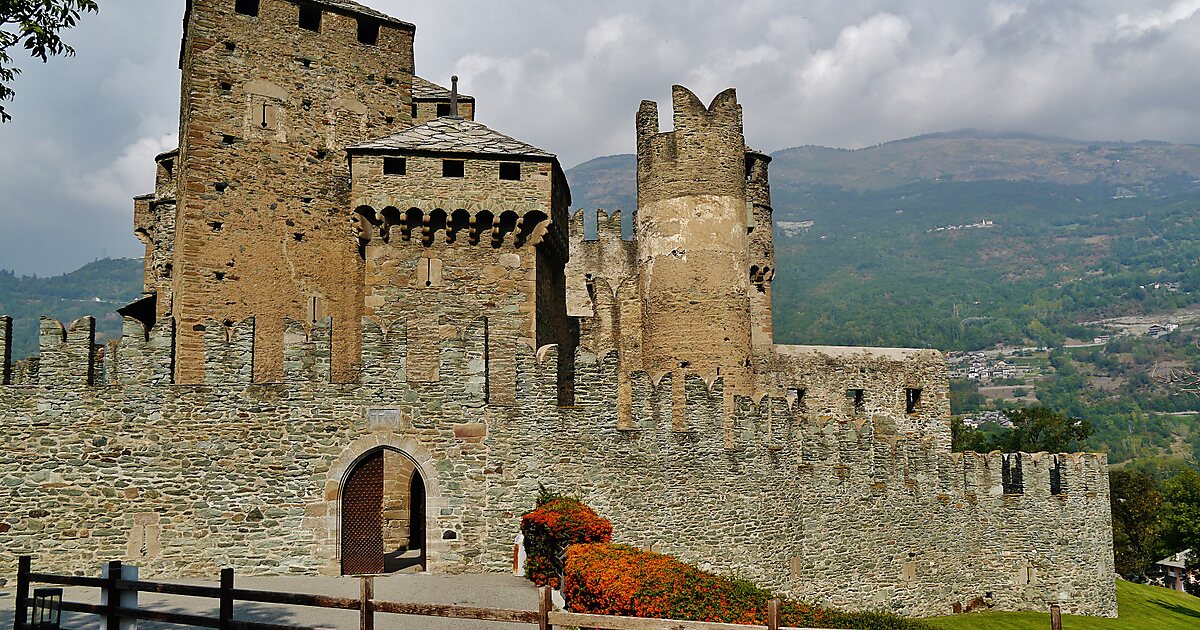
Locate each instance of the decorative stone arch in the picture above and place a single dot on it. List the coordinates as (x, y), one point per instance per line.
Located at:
(328, 529)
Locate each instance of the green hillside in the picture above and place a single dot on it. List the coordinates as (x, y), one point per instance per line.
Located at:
(96, 289)
(1140, 607)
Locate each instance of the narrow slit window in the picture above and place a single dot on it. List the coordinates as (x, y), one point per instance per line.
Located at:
(443, 110)
(1011, 476)
(246, 7)
(510, 171)
(310, 19)
(414, 110)
(395, 166)
(912, 399)
(1056, 478)
(368, 32)
(857, 398)
(453, 168)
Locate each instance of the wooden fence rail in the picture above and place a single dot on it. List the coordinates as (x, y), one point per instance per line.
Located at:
(545, 617)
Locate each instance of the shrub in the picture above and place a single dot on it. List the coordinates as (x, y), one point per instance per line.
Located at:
(619, 580)
(555, 524)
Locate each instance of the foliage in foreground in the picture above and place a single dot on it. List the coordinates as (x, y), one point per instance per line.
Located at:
(37, 25)
(612, 579)
(556, 523)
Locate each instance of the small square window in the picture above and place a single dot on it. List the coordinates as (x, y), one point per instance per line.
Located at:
(453, 168)
(395, 166)
(368, 32)
(310, 19)
(510, 170)
(246, 7)
(858, 398)
(443, 110)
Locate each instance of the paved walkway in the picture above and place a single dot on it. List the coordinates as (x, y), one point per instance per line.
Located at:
(488, 591)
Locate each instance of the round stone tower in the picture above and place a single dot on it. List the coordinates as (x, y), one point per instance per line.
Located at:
(692, 239)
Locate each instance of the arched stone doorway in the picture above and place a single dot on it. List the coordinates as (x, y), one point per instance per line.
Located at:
(383, 514)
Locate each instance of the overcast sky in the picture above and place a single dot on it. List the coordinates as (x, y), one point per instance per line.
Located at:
(567, 76)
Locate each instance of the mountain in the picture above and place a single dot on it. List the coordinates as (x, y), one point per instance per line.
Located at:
(963, 240)
(96, 289)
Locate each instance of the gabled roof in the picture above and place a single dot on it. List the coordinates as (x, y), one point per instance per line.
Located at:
(451, 135)
(358, 9)
(426, 90)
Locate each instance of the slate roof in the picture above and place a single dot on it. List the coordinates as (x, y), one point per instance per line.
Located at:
(452, 135)
(354, 7)
(426, 90)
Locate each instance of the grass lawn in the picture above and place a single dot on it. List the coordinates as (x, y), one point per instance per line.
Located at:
(1140, 607)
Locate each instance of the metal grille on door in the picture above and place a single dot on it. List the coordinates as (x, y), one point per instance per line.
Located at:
(362, 524)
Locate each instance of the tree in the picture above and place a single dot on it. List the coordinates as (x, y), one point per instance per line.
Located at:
(1137, 506)
(1182, 493)
(34, 24)
(1041, 429)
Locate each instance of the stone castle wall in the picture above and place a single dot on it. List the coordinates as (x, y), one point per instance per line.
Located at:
(101, 460)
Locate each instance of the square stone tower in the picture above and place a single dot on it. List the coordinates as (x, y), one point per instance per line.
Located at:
(457, 222)
(272, 93)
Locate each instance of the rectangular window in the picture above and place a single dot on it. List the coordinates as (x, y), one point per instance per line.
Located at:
(912, 399)
(443, 110)
(1011, 476)
(395, 166)
(246, 7)
(510, 171)
(858, 398)
(453, 168)
(368, 32)
(310, 19)
(414, 110)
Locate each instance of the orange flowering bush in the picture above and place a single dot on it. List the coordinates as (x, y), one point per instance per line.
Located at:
(611, 579)
(555, 524)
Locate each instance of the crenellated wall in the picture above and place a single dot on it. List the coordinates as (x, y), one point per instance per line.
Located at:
(863, 509)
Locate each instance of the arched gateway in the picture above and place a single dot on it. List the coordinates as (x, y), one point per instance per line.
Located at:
(383, 514)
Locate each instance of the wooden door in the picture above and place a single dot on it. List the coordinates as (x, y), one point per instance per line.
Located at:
(362, 523)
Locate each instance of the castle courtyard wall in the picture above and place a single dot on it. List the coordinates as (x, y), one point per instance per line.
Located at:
(186, 479)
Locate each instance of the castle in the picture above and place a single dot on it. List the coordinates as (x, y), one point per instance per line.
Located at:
(372, 326)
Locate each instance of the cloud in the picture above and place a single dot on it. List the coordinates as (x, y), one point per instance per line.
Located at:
(127, 176)
(568, 77)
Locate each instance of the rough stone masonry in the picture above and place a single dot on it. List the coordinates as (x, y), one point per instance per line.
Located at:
(341, 263)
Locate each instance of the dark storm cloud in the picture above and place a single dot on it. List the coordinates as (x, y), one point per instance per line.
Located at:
(567, 76)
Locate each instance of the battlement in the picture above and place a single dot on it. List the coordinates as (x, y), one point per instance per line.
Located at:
(705, 153)
(453, 222)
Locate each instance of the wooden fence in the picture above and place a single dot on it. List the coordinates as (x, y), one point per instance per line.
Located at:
(227, 595)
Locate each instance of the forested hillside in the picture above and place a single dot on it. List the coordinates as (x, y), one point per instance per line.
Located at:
(96, 289)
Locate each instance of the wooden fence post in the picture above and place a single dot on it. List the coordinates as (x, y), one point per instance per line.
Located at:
(225, 617)
(545, 605)
(1055, 617)
(113, 616)
(773, 614)
(366, 609)
(22, 610)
